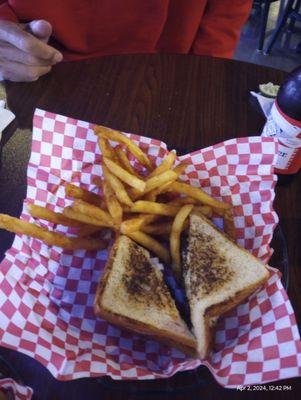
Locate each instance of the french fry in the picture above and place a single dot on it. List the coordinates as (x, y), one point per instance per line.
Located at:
(229, 226)
(93, 211)
(105, 148)
(88, 230)
(198, 194)
(112, 203)
(136, 224)
(204, 210)
(51, 216)
(83, 194)
(124, 175)
(166, 164)
(180, 168)
(151, 244)
(181, 201)
(177, 227)
(159, 180)
(152, 195)
(220, 211)
(126, 193)
(134, 193)
(124, 161)
(22, 227)
(70, 212)
(127, 211)
(90, 212)
(151, 207)
(117, 136)
(162, 228)
(117, 187)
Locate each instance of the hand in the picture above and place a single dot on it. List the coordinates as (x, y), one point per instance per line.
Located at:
(24, 52)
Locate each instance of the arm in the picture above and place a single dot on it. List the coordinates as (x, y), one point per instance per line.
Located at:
(220, 27)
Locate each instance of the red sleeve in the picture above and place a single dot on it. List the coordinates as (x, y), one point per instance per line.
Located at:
(220, 27)
(7, 13)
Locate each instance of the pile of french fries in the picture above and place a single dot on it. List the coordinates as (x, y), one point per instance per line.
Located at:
(151, 207)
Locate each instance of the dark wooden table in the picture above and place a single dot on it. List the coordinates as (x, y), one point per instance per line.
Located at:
(186, 101)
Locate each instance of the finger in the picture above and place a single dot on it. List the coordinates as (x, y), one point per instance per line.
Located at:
(11, 53)
(15, 35)
(17, 72)
(41, 29)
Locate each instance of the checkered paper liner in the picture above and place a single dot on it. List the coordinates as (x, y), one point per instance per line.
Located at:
(47, 294)
(19, 391)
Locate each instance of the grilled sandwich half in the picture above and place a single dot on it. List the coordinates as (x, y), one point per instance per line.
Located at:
(132, 294)
(217, 274)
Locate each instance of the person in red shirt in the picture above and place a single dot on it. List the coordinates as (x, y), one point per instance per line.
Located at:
(35, 34)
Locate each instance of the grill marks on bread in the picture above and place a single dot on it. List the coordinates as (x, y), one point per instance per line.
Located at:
(208, 270)
(143, 281)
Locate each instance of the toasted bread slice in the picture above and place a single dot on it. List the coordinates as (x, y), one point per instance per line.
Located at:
(132, 294)
(218, 275)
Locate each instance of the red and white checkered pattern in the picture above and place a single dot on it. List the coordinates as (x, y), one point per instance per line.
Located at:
(20, 392)
(46, 294)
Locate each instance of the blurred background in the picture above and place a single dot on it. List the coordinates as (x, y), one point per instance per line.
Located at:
(272, 34)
